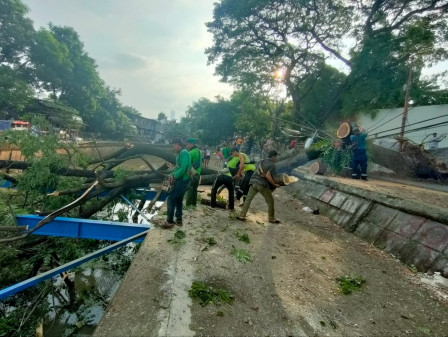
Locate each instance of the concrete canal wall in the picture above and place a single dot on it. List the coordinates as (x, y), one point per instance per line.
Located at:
(414, 232)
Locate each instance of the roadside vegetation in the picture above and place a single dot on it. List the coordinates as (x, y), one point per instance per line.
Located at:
(208, 294)
(349, 284)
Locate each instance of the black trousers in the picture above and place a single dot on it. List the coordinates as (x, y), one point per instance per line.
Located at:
(244, 186)
(174, 200)
(227, 181)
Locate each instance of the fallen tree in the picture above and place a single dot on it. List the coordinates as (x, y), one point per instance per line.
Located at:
(413, 162)
(56, 183)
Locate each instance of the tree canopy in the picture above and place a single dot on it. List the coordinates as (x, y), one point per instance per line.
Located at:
(209, 121)
(256, 41)
(53, 62)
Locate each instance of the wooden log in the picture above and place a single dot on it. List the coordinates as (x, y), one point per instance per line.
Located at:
(344, 130)
(286, 164)
(318, 167)
(158, 150)
(207, 179)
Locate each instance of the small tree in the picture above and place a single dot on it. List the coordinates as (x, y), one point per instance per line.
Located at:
(162, 116)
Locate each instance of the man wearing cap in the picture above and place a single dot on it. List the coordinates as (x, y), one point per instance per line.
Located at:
(195, 172)
(262, 182)
(181, 178)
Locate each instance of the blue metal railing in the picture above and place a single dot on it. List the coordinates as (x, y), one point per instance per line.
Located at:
(56, 271)
(85, 229)
(82, 228)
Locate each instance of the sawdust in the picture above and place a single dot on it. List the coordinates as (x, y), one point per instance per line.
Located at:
(289, 288)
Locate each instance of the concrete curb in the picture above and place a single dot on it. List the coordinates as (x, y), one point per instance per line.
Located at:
(408, 206)
(414, 232)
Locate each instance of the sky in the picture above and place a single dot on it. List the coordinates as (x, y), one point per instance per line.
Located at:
(153, 50)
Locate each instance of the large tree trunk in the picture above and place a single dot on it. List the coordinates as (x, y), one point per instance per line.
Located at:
(413, 162)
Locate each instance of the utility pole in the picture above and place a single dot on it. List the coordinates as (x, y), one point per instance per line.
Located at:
(406, 105)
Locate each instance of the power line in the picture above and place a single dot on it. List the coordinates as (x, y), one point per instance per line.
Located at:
(400, 114)
(305, 127)
(426, 120)
(370, 129)
(413, 130)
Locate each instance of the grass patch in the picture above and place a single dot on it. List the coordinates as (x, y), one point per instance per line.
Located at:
(413, 269)
(424, 330)
(211, 241)
(242, 236)
(241, 255)
(349, 284)
(178, 238)
(233, 216)
(207, 294)
(220, 199)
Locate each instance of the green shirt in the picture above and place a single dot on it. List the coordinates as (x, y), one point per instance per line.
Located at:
(183, 166)
(226, 152)
(196, 159)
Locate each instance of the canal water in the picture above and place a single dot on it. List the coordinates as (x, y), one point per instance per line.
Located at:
(96, 281)
(95, 284)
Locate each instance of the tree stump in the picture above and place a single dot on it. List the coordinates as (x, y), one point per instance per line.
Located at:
(318, 167)
(344, 130)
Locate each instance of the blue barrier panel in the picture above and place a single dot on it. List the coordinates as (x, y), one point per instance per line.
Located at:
(83, 228)
(6, 292)
(5, 183)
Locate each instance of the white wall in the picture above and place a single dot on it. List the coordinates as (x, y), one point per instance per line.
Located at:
(392, 118)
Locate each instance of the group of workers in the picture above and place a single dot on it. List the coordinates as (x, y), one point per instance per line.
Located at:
(242, 176)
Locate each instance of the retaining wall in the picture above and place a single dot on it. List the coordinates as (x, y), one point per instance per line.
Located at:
(417, 234)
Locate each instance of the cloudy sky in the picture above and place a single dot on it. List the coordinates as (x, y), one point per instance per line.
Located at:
(153, 50)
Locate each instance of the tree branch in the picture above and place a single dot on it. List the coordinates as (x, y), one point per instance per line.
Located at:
(430, 8)
(53, 215)
(329, 49)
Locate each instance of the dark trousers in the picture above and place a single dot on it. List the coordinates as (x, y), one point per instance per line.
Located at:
(192, 192)
(359, 163)
(244, 186)
(227, 181)
(174, 200)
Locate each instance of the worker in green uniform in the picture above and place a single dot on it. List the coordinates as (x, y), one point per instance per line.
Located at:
(226, 152)
(243, 174)
(195, 172)
(181, 178)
